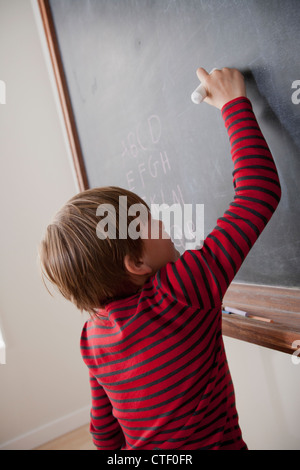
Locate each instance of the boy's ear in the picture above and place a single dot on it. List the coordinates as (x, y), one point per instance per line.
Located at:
(139, 267)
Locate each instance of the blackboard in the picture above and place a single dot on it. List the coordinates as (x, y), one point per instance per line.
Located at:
(130, 70)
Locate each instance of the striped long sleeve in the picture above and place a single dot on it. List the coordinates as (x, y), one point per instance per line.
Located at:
(257, 194)
(159, 374)
(105, 429)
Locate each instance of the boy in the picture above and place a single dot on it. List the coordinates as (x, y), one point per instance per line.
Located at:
(158, 371)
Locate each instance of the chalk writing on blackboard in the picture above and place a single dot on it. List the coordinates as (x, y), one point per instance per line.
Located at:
(145, 159)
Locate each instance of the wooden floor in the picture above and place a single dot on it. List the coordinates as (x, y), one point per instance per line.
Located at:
(79, 439)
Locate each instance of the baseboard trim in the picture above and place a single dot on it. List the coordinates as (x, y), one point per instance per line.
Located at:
(49, 431)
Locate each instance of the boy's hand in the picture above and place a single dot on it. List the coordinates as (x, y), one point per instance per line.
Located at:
(222, 85)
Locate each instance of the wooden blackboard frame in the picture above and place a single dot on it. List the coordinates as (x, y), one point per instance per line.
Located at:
(63, 93)
(280, 305)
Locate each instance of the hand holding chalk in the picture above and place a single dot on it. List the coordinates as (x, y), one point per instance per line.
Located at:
(200, 93)
(220, 87)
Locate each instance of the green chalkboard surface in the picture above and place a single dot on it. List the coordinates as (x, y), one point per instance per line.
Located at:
(130, 69)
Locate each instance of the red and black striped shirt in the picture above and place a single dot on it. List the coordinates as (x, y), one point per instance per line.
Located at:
(158, 370)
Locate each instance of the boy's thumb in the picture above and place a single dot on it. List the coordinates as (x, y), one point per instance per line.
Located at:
(202, 74)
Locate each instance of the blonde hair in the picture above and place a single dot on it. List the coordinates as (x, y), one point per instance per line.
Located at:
(87, 270)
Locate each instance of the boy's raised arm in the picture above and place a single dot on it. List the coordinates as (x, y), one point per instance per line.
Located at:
(201, 277)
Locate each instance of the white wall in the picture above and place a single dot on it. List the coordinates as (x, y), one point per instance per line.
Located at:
(44, 379)
(267, 386)
(44, 386)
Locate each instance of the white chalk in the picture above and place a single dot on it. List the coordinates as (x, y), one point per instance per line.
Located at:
(200, 93)
(236, 311)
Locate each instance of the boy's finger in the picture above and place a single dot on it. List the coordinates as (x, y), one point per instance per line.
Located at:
(202, 74)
